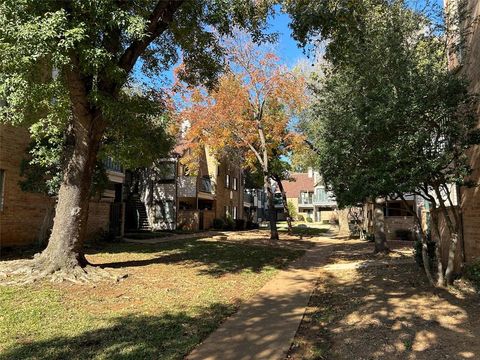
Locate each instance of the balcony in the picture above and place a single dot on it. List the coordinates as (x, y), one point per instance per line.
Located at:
(187, 186)
(114, 170)
(323, 198)
(206, 185)
(111, 165)
(305, 201)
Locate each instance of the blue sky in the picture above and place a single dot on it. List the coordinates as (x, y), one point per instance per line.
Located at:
(286, 47)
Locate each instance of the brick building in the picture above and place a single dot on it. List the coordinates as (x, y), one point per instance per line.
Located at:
(309, 196)
(470, 198)
(22, 213)
(466, 61)
(167, 197)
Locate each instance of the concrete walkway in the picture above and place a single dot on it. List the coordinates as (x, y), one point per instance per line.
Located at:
(265, 326)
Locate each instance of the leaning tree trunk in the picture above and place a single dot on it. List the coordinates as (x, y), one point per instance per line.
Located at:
(285, 205)
(271, 209)
(379, 228)
(453, 229)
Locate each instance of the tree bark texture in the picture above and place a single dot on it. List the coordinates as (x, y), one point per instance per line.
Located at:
(271, 208)
(64, 248)
(453, 228)
(285, 205)
(379, 228)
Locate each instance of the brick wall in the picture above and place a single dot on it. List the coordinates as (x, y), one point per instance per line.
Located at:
(23, 212)
(228, 196)
(470, 198)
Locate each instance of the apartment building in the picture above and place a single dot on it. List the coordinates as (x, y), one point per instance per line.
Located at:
(465, 60)
(22, 214)
(169, 196)
(309, 196)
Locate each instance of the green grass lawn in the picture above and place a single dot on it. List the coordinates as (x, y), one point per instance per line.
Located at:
(175, 294)
(304, 228)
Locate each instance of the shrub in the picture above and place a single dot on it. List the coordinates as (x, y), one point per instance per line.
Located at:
(403, 234)
(430, 251)
(472, 273)
(301, 218)
(326, 222)
(370, 237)
(309, 219)
(239, 224)
(218, 224)
(252, 225)
(292, 209)
(229, 223)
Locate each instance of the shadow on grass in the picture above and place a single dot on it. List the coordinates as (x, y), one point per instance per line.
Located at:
(169, 336)
(305, 230)
(219, 257)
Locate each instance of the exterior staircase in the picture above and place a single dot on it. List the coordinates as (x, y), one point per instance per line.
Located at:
(137, 214)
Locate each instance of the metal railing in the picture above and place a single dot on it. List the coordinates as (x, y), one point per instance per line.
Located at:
(112, 165)
(305, 200)
(323, 198)
(206, 185)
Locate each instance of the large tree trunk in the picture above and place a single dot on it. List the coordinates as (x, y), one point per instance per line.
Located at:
(64, 250)
(379, 229)
(285, 205)
(271, 209)
(47, 223)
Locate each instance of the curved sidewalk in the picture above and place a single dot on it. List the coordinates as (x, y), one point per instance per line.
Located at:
(264, 327)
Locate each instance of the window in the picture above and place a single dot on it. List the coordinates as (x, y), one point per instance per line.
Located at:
(227, 210)
(235, 212)
(235, 183)
(2, 187)
(227, 181)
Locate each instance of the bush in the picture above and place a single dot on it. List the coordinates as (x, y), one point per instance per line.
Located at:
(218, 224)
(239, 224)
(309, 219)
(326, 222)
(472, 273)
(430, 251)
(370, 237)
(403, 234)
(252, 225)
(292, 209)
(229, 223)
(301, 218)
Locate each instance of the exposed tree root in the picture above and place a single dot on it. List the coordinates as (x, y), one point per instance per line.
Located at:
(23, 272)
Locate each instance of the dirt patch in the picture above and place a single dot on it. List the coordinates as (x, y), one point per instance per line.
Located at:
(386, 312)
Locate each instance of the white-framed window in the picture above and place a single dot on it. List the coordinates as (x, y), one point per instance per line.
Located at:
(235, 183)
(235, 212)
(227, 181)
(2, 188)
(227, 210)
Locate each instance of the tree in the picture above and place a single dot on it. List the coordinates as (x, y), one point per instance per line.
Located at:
(248, 112)
(390, 119)
(69, 65)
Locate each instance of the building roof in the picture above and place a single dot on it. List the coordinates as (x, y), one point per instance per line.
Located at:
(302, 183)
